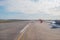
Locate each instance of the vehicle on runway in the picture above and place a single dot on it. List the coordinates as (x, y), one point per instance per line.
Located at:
(56, 24)
(41, 21)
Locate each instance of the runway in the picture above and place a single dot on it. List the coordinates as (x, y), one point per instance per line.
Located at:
(41, 31)
(10, 31)
(28, 30)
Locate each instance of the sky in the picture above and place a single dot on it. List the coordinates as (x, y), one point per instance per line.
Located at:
(29, 9)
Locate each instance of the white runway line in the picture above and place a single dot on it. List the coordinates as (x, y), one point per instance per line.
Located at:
(22, 31)
(25, 28)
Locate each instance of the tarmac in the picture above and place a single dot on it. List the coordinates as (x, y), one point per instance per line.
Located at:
(40, 31)
(10, 31)
(25, 30)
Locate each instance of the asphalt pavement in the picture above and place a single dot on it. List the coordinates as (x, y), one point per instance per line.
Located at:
(10, 31)
(40, 31)
(33, 31)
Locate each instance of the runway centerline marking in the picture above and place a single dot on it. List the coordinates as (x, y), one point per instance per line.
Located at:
(22, 31)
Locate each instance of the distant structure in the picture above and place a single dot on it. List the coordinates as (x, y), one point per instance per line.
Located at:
(57, 22)
(41, 21)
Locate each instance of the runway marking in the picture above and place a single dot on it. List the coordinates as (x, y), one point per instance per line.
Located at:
(22, 31)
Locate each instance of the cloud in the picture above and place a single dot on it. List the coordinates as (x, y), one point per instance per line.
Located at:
(55, 11)
(31, 6)
(25, 16)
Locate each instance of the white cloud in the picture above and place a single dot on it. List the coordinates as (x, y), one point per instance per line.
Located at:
(30, 7)
(54, 11)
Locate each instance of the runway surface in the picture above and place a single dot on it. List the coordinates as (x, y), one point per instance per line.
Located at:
(41, 31)
(25, 30)
(10, 31)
